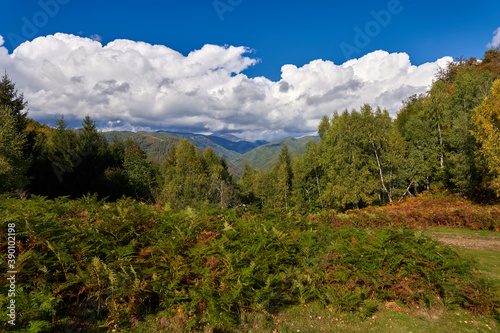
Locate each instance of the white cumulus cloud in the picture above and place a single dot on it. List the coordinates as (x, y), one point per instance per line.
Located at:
(496, 39)
(135, 85)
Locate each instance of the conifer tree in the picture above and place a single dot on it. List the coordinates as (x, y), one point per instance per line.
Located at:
(64, 157)
(94, 157)
(13, 165)
(140, 171)
(9, 97)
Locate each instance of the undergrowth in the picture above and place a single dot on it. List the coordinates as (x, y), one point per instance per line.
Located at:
(91, 265)
(429, 209)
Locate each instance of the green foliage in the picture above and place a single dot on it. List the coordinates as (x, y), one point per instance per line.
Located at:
(422, 146)
(486, 120)
(189, 177)
(308, 179)
(245, 184)
(13, 165)
(358, 163)
(141, 173)
(10, 98)
(159, 145)
(88, 264)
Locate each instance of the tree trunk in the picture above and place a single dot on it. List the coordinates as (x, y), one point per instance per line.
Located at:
(441, 146)
(380, 170)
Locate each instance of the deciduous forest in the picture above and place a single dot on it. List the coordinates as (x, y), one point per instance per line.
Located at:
(107, 239)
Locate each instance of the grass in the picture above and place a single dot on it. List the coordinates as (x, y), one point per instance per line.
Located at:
(450, 231)
(488, 261)
(314, 317)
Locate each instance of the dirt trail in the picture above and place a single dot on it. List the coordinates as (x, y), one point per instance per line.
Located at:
(470, 242)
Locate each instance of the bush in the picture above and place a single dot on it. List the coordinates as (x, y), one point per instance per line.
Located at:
(92, 265)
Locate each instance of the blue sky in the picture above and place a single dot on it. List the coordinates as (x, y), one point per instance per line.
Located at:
(276, 33)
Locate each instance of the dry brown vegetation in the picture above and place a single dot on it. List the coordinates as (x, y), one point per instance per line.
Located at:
(430, 209)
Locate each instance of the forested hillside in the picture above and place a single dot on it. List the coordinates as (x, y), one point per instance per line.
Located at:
(266, 156)
(444, 138)
(259, 154)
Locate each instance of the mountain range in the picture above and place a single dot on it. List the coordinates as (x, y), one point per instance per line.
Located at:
(259, 154)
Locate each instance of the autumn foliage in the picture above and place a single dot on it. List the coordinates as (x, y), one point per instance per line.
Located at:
(430, 209)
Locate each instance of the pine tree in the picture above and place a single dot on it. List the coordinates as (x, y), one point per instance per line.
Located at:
(64, 157)
(94, 157)
(13, 165)
(140, 171)
(10, 98)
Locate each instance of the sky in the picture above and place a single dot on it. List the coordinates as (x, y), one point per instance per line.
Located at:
(255, 69)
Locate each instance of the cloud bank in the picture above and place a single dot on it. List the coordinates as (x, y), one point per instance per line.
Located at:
(128, 85)
(496, 39)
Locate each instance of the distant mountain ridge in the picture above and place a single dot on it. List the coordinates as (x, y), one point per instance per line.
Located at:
(259, 154)
(266, 156)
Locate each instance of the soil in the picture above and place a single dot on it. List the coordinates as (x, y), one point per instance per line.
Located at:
(476, 243)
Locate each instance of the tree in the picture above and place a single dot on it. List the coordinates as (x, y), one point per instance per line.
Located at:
(246, 184)
(140, 171)
(264, 187)
(185, 179)
(308, 179)
(462, 173)
(486, 120)
(94, 157)
(13, 165)
(438, 103)
(421, 147)
(220, 186)
(10, 98)
(491, 61)
(323, 127)
(349, 164)
(64, 157)
(378, 128)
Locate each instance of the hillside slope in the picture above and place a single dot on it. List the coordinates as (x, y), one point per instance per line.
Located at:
(259, 154)
(266, 156)
(158, 144)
